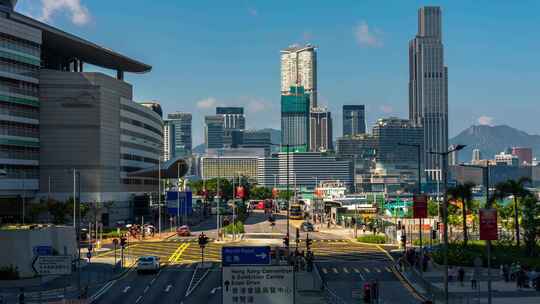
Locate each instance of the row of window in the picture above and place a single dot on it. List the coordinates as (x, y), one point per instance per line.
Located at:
(18, 87)
(18, 171)
(17, 44)
(18, 129)
(133, 181)
(15, 152)
(19, 110)
(139, 135)
(139, 158)
(140, 147)
(9, 66)
(141, 125)
(141, 113)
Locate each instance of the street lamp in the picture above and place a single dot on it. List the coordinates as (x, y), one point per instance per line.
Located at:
(485, 172)
(288, 196)
(444, 156)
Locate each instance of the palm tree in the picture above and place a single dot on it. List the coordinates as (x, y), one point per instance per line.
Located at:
(517, 190)
(464, 193)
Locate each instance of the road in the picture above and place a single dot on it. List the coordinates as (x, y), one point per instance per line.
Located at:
(343, 264)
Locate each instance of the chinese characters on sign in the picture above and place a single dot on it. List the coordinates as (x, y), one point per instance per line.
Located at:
(488, 224)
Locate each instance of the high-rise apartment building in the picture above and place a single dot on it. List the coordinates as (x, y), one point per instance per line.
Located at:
(354, 120)
(321, 138)
(299, 68)
(177, 135)
(428, 84)
(214, 131)
(295, 119)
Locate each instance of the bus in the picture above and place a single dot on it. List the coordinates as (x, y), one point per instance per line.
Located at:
(296, 212)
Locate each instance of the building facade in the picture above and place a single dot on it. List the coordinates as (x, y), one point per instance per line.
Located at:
(525, 155)
(234, 123)
(268, 171)
(354, 120)
(257, 139)
(320, 137)
(213, 131)
(428, 84)
(178, 140)
(299, 68)
(229, 167)
(295, 119)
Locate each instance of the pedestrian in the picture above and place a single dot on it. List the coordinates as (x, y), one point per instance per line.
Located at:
(21, 296)
(474, 278)
(513, 271)
(461, 275)
(506, 274)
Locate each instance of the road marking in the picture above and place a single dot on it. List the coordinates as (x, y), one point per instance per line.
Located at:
(153, 280)
(168, 288)
(335, 270)
(388, 269)
(362, 277)
(146, 289)
(377, 270)
(213, 291)
(178, 252)
(345, 270)
(324, 270)
(138, 299)
(126, 289)
(366, 270)
(356, 270)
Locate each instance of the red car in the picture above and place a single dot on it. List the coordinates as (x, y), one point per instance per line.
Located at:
(260, 205)
(183, 231)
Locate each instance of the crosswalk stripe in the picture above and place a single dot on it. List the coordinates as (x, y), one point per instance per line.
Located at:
(324, 270)
(366, 270)
(377, 270)
(335, 270)
(345, 270)
(388, 269)
(356, 270)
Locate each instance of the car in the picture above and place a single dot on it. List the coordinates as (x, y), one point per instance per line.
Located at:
(148, 264)
(183, 231)
(307, 227)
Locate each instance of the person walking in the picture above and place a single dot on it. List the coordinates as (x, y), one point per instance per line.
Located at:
(461, 275)
(474, 278)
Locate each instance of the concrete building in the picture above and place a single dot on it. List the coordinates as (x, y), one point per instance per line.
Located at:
(354, 120)
(295, 119)
(320, 137)
(177, 135)
(453, 158)
(525, 155)
(428, 84)
(55, 117)
(299, 68)
(268, 171)
(257, 139)
(213, 131)
(154, 106)
(234, 123)
(505, 159)
(229, 167)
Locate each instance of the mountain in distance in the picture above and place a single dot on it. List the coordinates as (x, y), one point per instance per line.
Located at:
(492, 140)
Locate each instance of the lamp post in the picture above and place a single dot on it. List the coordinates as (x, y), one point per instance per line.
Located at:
(485, 172)
(177, 193)
(288, 147)
(159, 195)
(444, 156)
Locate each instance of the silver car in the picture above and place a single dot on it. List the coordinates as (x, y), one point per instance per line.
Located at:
(148, 264)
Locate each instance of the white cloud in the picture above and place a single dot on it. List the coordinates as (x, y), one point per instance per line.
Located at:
(207, 103)
(485, 120)
(386, 109)
(367, 37)
(253, 12)
(257, 105)
(77, 12)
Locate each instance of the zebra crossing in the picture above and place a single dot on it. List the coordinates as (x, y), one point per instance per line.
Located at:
(354, 270)
(344, 250)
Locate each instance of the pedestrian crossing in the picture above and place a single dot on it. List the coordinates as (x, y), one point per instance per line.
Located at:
(345, 251)
(352, 270)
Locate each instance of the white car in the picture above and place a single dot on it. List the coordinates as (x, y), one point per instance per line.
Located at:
(148, 264)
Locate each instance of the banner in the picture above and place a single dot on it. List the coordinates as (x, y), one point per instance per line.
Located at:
(420, 206)
(488, 224)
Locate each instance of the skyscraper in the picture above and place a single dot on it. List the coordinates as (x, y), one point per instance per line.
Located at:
(320, 130)
(295, 119)
(428, 84)
(177, 135)
(213, 131)
(234, 123)
(299, 68)
(354, 120)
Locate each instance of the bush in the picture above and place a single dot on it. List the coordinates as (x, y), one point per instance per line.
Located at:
(9, 273)
(373, 239)
(425, 243)
(237, 227)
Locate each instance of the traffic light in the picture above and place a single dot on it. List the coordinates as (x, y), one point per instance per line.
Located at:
(203, 240)
(286, 241)
(123, 242)
(308, 242)
(404, 240)
(297, 234)
(433, 234)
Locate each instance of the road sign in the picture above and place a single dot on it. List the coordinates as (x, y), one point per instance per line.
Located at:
(420, 206)
(257, 284)
(488, 224)
(253, 255)
(42, 250)
(52, 265)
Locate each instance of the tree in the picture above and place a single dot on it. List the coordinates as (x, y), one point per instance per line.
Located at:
(433, 208)
(260, 193)
(463, 193)
(531, 223)
(518, 191)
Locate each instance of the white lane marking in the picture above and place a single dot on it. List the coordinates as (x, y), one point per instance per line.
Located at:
(138, 299)
(324, 270)
(362, 277)
(146, 289)
(213, 291)
(366, 270)
(345, 270)
(335, 270)
(103, 290)
(126, 289)
(153, 280)
(356, 270)
(168, 288)
(377, 270)
(388, 269)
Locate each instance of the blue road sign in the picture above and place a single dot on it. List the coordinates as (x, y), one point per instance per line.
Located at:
(42, 250)
(245, 255)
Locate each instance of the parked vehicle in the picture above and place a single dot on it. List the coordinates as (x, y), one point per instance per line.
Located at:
(148, 264)
(307, 227)
(183, 231)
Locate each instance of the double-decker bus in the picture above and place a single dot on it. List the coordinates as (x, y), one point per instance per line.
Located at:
(296, 212)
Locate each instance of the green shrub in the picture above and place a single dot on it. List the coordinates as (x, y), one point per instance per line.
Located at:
(237, 227)
(9, 273)
(373, 239)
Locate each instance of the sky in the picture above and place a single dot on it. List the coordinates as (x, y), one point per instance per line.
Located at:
(226, 53)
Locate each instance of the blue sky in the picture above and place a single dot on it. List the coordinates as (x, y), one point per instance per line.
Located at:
(208, 53)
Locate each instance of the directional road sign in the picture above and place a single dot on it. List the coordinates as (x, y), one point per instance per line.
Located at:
(52, 264)
(252, 255)
(42, 250)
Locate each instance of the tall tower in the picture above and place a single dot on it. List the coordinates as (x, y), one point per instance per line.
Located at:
(214, 131)
(299, 68)
(177, 135)
(295, 119)
(234, 124)
(320, 130)
(428, 84)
